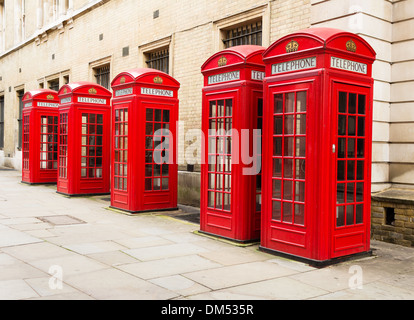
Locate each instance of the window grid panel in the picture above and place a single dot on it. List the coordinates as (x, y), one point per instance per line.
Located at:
(63, 145)
(26, 142)
(259, 175)
(219, 155)
(289, 158)
(350, 159)
(121, 150)
(157, 128)
(48, 142)
(92, 145)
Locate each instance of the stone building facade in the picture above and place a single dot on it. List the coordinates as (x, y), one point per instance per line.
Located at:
(47, 43)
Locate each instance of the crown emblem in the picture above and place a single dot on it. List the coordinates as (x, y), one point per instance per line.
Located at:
(92, 91)
(122, 80)
(65, 90)
(50, 97)
(158, 79)
(222, 61)
(292, 46)
(351, 46)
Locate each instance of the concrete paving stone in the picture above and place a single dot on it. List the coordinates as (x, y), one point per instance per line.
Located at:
(166, 251)
(16, 290)
(46, 286)
(143, 242)
(94, 247)
(236, 275)
(284, 288)
(234, 255)
(70, 264)
(329, 279)
(180, 284)
(10, 237)
(14, 221)
(76, 296)
(291, 264)
(115, 284)
(40, 234)
(36, 251)
(377, 290)
(168, 266)
(112, 258)
(223, 296)
(19, 270)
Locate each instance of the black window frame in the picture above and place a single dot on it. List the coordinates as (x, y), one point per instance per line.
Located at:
(103, 75)
(159, 59)
(248, 33)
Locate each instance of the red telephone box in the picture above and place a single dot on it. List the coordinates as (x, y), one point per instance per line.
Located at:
(144, 117)
(317, 145)
(40, 137)
(230, 204)
(84, 139)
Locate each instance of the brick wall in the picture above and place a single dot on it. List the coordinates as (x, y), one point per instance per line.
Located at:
(393, 222)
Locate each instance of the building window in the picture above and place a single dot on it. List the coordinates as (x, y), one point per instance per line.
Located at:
(246, 34)
(159, 60)
(102, 76)
(2, 122)
(20, 95)
(54, 84)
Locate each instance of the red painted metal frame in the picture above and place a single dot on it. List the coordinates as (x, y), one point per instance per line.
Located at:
(35, 171)
(241, 221)
(149, 98)
(84, 120)
(319, 239)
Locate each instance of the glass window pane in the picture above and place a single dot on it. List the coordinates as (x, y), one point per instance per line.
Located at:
(350, 215)
(290, 102)
(361, 104)
(300, 124)
(288, 146)
(299, 214)
(352, 103)
(276, 210)
(342, 102)
(301, 101)
(278, 103)
(287, 190)
(287, 211)
(277, 189)
(340, 216)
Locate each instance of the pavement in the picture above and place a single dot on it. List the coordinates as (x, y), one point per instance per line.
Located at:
(59, 248)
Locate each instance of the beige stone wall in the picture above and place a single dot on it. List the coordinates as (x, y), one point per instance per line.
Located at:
(191, 29)
(372, 20)
(402, 96)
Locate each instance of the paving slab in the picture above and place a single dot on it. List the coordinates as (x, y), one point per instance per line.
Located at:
(235, 275)
(110, 255)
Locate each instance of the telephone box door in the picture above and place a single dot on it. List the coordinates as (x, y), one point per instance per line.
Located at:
(160, 168)
(220, 207)
(352, 151)
(289, 142)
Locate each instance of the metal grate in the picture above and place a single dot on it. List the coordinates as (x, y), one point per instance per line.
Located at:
(248, 34)
(54, 85)
(159, 60)
(102, 76)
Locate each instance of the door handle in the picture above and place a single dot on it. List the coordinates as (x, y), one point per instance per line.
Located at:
(334, 148)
